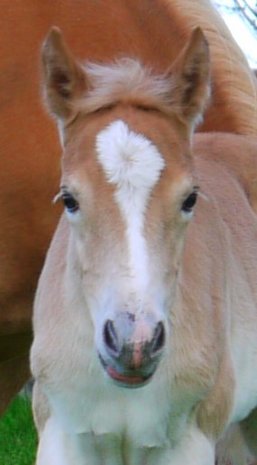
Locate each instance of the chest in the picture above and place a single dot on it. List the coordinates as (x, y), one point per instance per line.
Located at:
(93, 404)
(86, 401)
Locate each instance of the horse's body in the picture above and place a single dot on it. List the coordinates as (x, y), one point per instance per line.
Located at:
(29, 151)
(155, 31)
(136, 291)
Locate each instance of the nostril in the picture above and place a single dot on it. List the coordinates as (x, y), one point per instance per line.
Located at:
(158, 338)
(111, 338)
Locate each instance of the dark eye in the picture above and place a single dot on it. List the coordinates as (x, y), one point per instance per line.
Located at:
(70, 203)
(189, 203)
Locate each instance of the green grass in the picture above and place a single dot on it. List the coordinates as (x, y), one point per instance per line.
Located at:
(17, 434)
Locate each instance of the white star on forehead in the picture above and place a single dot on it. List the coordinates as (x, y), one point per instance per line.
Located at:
(132, 163)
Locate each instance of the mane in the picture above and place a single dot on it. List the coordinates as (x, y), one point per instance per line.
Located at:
(233, 82)
(230, 70)
(125, 80)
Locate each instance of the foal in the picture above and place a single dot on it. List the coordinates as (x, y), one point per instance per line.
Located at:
(145, 316)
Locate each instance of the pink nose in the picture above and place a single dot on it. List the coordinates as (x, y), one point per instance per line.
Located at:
(132, 343)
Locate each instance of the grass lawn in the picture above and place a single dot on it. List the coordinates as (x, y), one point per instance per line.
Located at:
(17, 434)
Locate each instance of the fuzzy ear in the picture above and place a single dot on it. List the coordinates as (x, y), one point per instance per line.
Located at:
(63, 78)
(190, 74)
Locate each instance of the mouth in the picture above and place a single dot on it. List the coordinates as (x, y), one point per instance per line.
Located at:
(127, 380)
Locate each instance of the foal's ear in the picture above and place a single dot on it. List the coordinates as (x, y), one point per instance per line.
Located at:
(191, 77)
(63, 78)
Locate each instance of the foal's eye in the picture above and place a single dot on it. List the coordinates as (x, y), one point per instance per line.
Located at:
(70, 203)
(189, 203)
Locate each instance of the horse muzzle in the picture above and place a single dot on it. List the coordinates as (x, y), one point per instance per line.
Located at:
(132, 349)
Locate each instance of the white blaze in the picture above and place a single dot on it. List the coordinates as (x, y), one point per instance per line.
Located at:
(132, 163)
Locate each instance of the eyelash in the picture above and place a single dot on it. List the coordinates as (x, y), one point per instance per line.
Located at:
(189, 203)
(70, 203)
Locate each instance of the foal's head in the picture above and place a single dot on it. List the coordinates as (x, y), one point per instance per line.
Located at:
(129, 192)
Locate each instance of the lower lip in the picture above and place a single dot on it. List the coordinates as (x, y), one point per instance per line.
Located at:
(125, 381)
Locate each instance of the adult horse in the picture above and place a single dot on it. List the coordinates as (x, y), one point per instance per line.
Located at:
(142, 288)
(152, 30)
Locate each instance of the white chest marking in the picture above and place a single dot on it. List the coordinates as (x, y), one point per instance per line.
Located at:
(132, 163)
